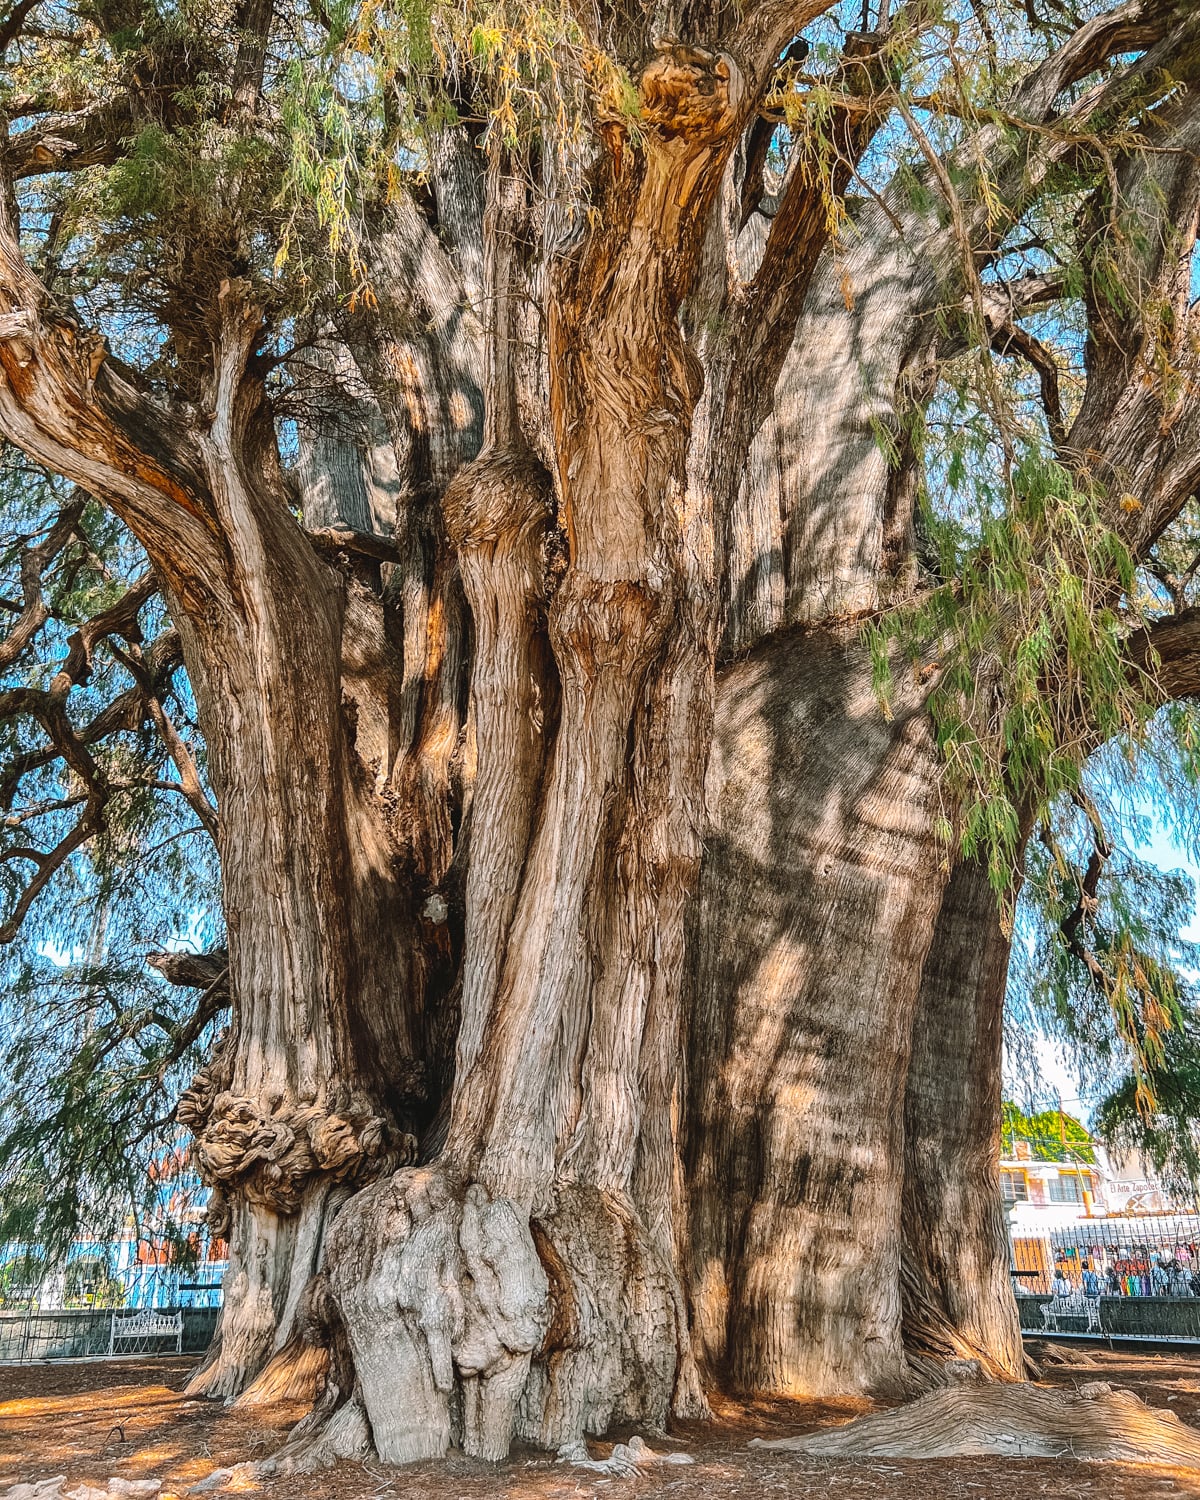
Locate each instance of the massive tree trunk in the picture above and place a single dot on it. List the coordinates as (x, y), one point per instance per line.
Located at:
(822, 872)
(559, 1171)
(320, 1082)
(339, 804)
(724, 456)
(320, 1079)
(822, 876)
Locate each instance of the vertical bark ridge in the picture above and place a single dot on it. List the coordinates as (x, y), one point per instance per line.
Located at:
(594, 1300)
(818, 895)
(759, 275)
(958, 1301)
(498, 511)
(421, 352)
(324, 1080)
(622, 388)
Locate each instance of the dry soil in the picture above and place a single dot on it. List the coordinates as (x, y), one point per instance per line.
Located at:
(129, 1418)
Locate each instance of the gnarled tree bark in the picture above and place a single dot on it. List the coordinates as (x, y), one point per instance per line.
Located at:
(487, 784)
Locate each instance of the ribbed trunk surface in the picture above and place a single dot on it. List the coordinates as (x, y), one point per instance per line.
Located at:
(320, 1080)
(958, 1301)
(526, 1283)
(819, 891)
(483, 791)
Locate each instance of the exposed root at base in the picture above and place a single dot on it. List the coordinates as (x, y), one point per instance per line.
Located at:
(1013, 1421)
(114, 1489)
(223, 1375)
(469, 1324)
(323, 1439)
(443, 1300)
(926, 1374)
(625, 1460)
(1046, 1353)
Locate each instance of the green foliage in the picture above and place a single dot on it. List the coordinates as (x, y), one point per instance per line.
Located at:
(166, 173)
(1165, 1134)
(140, 242)
(79, 1137)
(1035, 589)
(518, 66)
(96, 1047)
(367, 108)
(1099, 961)
(169, 222)
(20, 1278)
(1051, 1134)
(1027, 644)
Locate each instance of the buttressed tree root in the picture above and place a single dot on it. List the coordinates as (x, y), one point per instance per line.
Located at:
(1014, 1421)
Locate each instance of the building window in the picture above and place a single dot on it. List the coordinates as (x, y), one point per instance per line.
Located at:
(1066, 1189)
(1013, 1187)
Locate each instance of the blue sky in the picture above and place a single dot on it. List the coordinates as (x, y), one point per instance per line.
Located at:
(1162, 850)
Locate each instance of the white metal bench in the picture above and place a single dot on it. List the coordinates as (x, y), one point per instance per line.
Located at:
(145, 1326)
(1076, 1305)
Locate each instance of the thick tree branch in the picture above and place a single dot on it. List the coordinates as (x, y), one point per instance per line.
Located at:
(120, 619)
(12, 22)
(74, 412)
(1137, 434)
(126, 712)
(48, 864)
(254, 19)
(72, 140)
(330, 540)
(34, 611)
(1022, 142)
(1010, 338)
(1133, 27)
(1005, 300)
(190, 785)
(196, 971)
(1169, 652)
(206, 972)
(799, 229)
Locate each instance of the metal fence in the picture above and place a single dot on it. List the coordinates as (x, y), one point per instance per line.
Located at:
(1144, 1271)
(1152, 1255)
(38, 1335)
(68, 1313)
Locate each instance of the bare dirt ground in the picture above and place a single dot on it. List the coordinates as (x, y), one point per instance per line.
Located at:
(128, 1418)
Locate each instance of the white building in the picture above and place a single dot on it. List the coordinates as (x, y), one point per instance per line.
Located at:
(1110, 1216)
